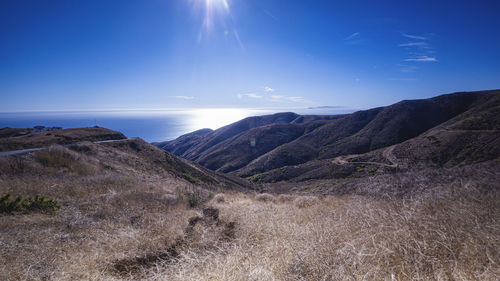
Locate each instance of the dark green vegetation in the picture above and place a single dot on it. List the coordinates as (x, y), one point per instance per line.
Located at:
(20, 204)
(446, 131)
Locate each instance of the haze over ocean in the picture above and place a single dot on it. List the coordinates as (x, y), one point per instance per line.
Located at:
(152, 126)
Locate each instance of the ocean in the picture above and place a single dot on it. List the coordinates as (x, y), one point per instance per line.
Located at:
(150, 125)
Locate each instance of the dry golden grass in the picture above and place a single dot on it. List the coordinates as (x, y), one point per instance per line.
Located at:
(285, 198)
(119, 210)
(219, 198)
(449, 234)
(305, 201)
(265, 197)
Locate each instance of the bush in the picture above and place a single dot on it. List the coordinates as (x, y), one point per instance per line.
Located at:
(305, 201)
(191, 178)
(265, 197)
(39, 203)
(219, 198)
(193, 197)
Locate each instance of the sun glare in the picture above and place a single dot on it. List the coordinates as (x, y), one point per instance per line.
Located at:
(215, 118)
(212, 10)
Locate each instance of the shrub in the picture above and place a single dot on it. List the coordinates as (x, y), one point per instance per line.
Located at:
(191, 178)
(39, 203)
(265, 197)
(193, 197)
(219, 198)
(305, 201)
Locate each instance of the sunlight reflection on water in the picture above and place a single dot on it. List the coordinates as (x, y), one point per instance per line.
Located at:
(215, 118)
(150, 125)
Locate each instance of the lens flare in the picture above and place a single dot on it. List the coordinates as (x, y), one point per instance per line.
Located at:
(212, 10)
(217, 17)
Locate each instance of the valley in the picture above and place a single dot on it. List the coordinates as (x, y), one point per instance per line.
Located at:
(278, 197)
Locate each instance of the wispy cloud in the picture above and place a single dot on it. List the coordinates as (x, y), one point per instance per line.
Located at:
(422, 59)
(269, 94)
(183, 97)
(269, 89)
(352, 36)
(296, 99)
(414, 44)
(282, 98)
(419, 49)
(354, 39)
(416, 37)
(250, 95)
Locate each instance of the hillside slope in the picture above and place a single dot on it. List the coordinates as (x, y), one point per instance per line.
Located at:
(468, 139)
(195, 144)
(14, 139)
(295, 140)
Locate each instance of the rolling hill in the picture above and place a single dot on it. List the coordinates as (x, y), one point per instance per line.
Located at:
(447, 130)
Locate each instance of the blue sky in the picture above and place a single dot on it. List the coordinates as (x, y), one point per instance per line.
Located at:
(117, 54)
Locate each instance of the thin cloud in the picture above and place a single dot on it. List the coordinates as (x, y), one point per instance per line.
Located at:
(296, 99)
(416, 37)
(269, 90)
(414, 44)
(277, 97)
(249, 95)
(354, 39)
(183, 97)
(352, 36)
(422, 59)
(253, 96)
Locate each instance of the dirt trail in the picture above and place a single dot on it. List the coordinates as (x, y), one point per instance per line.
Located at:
(387, 153)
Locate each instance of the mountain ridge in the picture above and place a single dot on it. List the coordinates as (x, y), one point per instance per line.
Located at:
(287, 139)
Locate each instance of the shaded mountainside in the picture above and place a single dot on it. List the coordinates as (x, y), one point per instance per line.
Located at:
(447, 130)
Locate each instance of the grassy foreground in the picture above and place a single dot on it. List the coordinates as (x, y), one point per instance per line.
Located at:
(452, 236)
(124, 218)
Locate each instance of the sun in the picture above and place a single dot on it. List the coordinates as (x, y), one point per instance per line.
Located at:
(220, 3)
(212, 10)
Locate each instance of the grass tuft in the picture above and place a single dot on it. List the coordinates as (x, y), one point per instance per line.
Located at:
(305, 201)
(219, 198)
(265, 197)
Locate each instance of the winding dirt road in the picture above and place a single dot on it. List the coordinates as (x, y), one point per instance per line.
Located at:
(387, 153)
